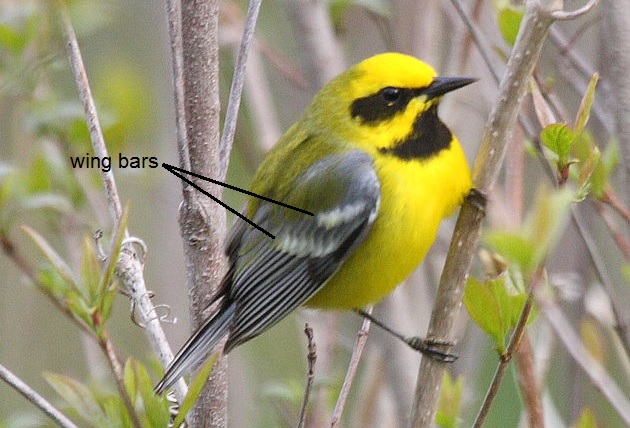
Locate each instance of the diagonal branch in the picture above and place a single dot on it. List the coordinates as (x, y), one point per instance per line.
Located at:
(33, 397)
(492, 150)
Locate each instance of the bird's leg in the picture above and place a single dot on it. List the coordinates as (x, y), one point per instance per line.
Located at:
(428, 347)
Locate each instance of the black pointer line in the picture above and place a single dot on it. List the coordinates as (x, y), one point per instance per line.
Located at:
(172, 169)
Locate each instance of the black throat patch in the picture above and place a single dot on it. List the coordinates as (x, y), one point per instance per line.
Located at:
(428, 137)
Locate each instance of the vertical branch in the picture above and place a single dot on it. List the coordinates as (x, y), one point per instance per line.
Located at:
(317, 37)
(236, 89)
(492, 150)
(616, 15)
(202, 222)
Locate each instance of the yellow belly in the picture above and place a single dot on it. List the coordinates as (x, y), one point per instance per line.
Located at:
(415, 197)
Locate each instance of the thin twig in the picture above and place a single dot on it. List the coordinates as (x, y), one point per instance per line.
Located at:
(91, 116)
(621, 324)
(114, 364)
(477, 38)
(610, 198)
(357, 352)
(33, 397)
(310, 376)
(234, 100)
(529, 383)
(561, 15)
(616, 233)
(316, 35)
(133, 278)
(582, 356)
(174, 20)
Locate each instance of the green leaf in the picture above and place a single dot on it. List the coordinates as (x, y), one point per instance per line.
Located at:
(194, 389)
(90, 273)
(600, 179)
(586, 419)
(115, 411)
(483, 307)
(559, 139)
(514, 246)
(154, 410)
(585, 105)
(11, 40)
(129, 379)
(588, 166)
(79, 397)
(625, 271)
(450, 401)
(509, 20)
(114, 253)
(156, 407)
(545, 223)
(80, 309)
(496, 305)
(50, 173)
(53, 257)
(527, 247)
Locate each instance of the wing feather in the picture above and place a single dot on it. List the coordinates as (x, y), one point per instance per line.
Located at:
(271, 277)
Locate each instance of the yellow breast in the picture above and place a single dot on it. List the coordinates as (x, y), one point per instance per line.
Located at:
(415, 196)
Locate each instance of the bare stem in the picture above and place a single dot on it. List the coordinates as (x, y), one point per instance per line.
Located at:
(582, 356)
(528, 382)
(357, 352)
(310, 376)
(117, 370)
(610, 198)
(238, 79)
(615, 231)
(33, 397)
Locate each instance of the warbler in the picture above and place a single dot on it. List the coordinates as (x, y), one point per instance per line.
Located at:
(377, 168)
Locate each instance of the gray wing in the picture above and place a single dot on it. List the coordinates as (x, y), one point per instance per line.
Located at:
(269, 278)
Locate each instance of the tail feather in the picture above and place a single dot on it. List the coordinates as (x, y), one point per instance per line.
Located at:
(197, 348)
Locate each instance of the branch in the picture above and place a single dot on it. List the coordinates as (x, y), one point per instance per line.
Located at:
(561, 15)
(317, 37)
(357, 352)
(114, 364)
(616, 34)
(310, 376)
(194, 46)
(494, 141)
(582, 356)
(238, 80)
(32, 396)
(133, 278)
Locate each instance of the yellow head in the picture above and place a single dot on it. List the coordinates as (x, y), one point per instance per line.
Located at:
(375, 103)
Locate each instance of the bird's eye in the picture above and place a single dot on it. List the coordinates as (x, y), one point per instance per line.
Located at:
(390, 94)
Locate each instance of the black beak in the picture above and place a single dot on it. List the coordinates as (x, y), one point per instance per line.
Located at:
(442, 85)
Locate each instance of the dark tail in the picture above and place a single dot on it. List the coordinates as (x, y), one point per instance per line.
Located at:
(197, 348)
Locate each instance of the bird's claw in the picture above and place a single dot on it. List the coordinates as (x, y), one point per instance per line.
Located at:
(432, 348)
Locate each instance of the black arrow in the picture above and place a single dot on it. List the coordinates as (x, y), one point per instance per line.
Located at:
(176, 171)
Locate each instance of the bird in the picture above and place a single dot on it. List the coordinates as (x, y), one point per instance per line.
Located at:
(376, 169)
